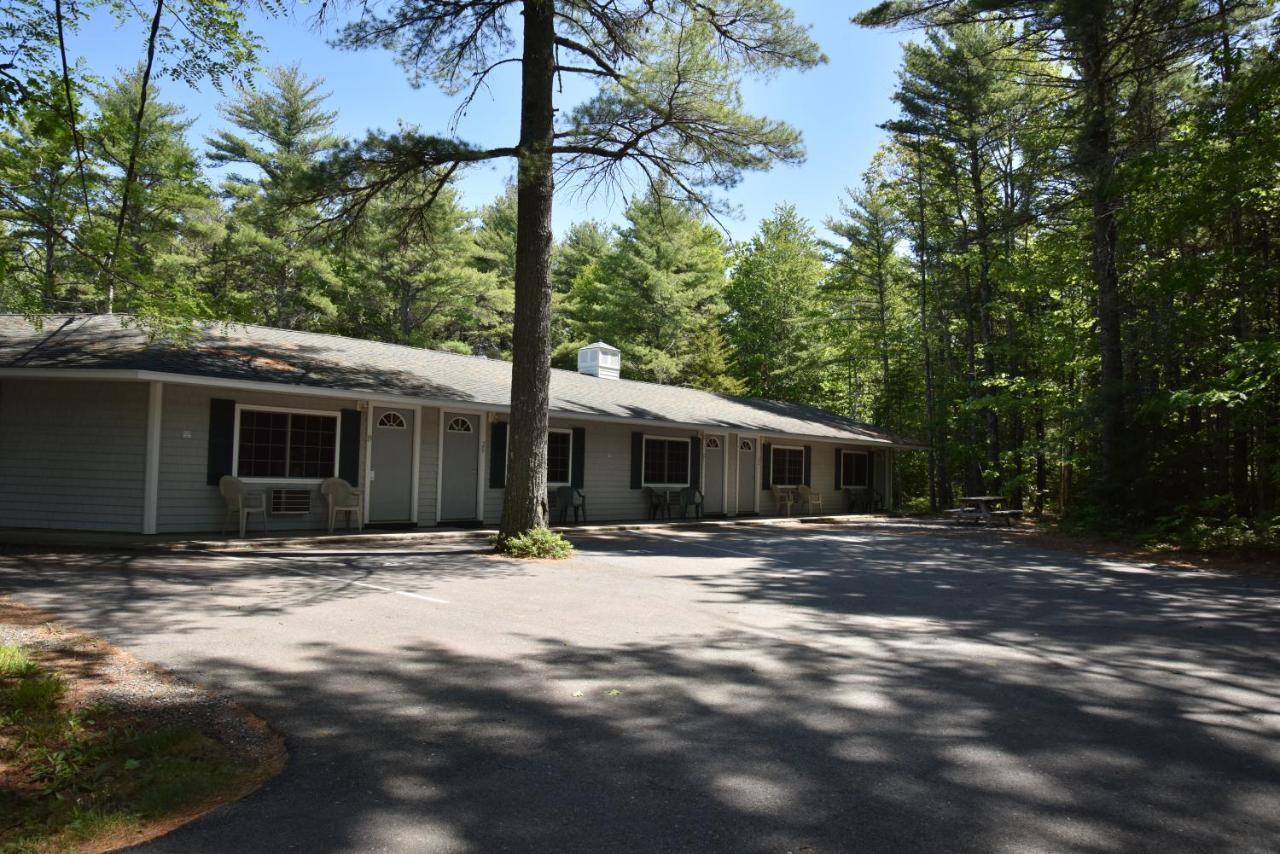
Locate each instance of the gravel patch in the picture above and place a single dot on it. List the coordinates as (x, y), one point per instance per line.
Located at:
(98, 674)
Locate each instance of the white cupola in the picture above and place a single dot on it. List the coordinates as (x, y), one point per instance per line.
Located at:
(600, 360)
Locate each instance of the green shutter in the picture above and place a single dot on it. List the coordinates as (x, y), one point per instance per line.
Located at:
(349, 446)
(637, 460)
(577, 464)
(498, 455)
(222, 432)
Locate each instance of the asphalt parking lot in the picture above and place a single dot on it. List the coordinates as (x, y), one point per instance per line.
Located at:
(802, 689)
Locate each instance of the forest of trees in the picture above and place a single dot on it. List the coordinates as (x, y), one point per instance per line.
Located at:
(1059, 270)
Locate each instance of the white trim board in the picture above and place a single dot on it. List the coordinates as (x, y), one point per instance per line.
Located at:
(336, 415)
(151, 466)
(688, 459)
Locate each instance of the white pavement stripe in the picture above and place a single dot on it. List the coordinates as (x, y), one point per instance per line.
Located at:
(340, 580)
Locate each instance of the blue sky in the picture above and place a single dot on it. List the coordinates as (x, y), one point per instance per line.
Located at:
(837, 107)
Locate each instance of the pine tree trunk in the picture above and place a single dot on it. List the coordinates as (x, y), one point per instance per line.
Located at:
(525, 503)
(990, 416)
(1096, 160)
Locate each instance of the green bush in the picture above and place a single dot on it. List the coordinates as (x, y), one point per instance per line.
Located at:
(536, 543)
(1192, 530)
(33, 694)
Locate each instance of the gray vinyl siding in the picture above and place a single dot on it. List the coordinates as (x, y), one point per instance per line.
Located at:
(428, 465)
(72, 454)
(822, 475)
(607, 478)
(187, 502)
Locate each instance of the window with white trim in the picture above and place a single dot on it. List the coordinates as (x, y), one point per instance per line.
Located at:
(559, 456)
(713, 443)
(392, 421)
(286, 445)
(460, 425)
(855, 468)
(745, 446)
(666, 462)
(787, 466)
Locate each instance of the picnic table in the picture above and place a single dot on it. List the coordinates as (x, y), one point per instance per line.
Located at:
(980, 509)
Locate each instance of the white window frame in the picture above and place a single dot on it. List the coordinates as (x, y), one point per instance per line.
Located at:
(550, 482)
(506, 470)
(773, 449)
(252, 407)
(840, 473)
(688, 461)
(403, 425)
(464, 417)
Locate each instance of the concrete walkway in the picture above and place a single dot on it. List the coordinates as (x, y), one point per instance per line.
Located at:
(38, 538)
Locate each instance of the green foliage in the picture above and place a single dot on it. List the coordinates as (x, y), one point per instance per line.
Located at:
(87, 773)
(14, 663)
(775, 313)
(1217, 531)
(542, 543)
(32, 694)
(424, 284)
(266, 266)
(658, 293)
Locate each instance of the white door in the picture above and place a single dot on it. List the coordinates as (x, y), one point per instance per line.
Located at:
(391, 466)
(713, 474)
(459, 466)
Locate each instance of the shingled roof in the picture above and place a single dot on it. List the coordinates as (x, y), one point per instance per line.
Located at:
(261, 354)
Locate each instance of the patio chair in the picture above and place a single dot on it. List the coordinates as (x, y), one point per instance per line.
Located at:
(659, 504)
(862, 499)
(570, 498)
(241, 502)
(343, 498)
(811, 499)
(785, 498)
(691, 496)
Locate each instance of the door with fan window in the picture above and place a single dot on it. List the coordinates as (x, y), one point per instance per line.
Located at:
(391, 466)
(459, 466)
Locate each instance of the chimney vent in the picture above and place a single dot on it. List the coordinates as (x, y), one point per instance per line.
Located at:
(600, 360)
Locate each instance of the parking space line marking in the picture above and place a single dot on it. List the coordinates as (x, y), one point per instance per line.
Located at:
(338, 580)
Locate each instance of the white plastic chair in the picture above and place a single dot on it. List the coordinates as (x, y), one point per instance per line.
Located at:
(785, 497)
(343, 498)
(811, 499)
(241, 502)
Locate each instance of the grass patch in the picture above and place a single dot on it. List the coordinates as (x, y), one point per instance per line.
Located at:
(14, 663)
(72, 776)
(535, 543)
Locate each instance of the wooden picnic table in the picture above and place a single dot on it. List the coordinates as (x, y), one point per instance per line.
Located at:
(983, 508)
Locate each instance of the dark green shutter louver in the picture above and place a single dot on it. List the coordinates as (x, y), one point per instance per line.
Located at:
(766, 457)
(808, 465)
(222, 431)
(349, 446)
(498, 455)
(695, 462)
(577, 465)
(637, 460)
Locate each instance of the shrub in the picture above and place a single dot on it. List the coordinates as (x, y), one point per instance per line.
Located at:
(34, 694)
(536, 543)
